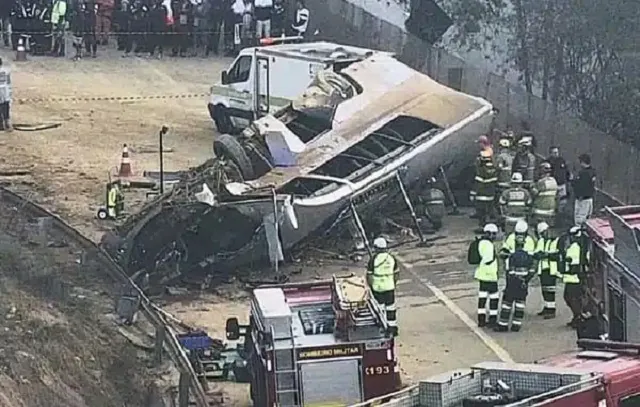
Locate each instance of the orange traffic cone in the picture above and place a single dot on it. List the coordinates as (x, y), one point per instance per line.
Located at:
(124, 173)
(21, 52)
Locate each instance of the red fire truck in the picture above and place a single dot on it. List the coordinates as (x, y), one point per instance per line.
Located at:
(324, 343)
(615, 269)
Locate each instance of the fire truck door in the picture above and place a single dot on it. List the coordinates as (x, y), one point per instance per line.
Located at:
(632, 313)
(331, 383)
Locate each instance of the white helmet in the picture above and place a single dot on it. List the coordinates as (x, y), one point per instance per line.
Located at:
(521, 227)
(490, 228)
(380, 243)
(516, 177)
(575, 230)
(542, 227)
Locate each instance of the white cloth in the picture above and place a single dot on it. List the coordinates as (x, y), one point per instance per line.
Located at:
(263, 3)
(582, 210)
(238, 7)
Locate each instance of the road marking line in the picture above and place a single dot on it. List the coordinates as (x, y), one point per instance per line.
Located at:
(457, 311)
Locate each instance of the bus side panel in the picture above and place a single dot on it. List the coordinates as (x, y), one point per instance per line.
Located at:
(378, 373)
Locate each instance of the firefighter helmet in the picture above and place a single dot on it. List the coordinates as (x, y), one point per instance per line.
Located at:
(575, 230)
(545, 167)
(542, 227)
(525, 141)
(380, 243)
(521, 227)
(516, 177)
(505, 143)
(484, 140)
(490, 228)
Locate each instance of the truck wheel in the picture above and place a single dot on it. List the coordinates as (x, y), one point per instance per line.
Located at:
(102, 214)
(226, 147)
(222, 120)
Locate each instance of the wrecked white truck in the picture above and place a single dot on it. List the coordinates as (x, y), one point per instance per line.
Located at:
(348, 139)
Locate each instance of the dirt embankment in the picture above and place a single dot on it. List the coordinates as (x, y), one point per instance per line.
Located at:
(59, 344)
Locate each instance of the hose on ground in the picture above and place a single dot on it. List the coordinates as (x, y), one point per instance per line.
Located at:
(35, 127)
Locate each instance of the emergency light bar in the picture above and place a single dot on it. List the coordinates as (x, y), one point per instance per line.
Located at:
(276, 40)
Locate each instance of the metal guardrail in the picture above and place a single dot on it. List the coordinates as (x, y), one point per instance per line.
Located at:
(171, 344)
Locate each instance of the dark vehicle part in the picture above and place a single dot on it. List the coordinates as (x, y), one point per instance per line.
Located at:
(226, 147)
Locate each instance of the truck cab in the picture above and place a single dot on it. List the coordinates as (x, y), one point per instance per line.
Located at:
(263, 80)
(317, 344)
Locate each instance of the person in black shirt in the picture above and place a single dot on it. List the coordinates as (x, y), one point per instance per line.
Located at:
(561, 174)
(90, 10)
(158, 25)
(213, 23)
(584, 188)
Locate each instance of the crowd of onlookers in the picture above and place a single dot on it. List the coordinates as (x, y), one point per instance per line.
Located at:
(181, 27)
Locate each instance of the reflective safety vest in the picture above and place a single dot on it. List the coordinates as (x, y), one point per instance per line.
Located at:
(487, 270)
(514, 202)
(525, 164)
(549, 247)
(571, 274)
(58, 11)
(486, 180)
(545, 193)
(112, 197)
(504, 164)
(383, 279)
(509, 245)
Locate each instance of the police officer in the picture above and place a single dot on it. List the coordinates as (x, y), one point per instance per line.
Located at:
(514, 203)
(545, 196)
(519, 272)
(504, 164)
(575, 259)
(519, 239)
(5, 97)
(112, 200)
(486, 274)
(547, 255)
(434, 207)
(524, 162)
(484, 192)
(382, 275)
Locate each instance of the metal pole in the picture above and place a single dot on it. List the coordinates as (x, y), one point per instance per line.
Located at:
(452, 198)
(163, 131)
(407, 201)
(360, 227)
(159, 345)
(277, 231)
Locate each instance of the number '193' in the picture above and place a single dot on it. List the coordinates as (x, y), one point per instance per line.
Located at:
(376, 370)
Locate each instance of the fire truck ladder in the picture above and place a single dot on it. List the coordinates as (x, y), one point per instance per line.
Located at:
(286, 378)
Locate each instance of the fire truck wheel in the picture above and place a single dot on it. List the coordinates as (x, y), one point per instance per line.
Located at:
(227, 147)
(222, 120)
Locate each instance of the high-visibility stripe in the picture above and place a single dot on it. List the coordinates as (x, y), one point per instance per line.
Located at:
(484, 198)
(516, 203)
(548, 193)
(435, 202)
(546, 212)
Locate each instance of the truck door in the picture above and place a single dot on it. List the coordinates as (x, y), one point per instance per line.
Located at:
(262, 94)
(334, 383)
(239, 89)
(617, 314)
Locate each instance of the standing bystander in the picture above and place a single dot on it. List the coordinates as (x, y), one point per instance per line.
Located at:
(5, 97)
(263, 12)
(584, 187)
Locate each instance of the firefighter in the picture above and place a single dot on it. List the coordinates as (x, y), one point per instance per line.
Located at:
(485, 147)
(547, 255)
(504, 164)
(514, 295)
(112, 200)
(514, 204)
(575, 259)
(518, 239)
(434, 208)
(486, 274)
(484, 192)
(524, 162)
(545, 196)
(382, 275)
